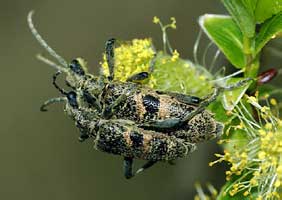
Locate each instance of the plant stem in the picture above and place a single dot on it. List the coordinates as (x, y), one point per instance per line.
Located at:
(253, 63)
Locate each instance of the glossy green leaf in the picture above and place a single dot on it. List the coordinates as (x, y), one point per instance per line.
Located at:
(250, 5)
(232, 97)
(242, 12)
(269, 30)
(266, 8)
(223, 31)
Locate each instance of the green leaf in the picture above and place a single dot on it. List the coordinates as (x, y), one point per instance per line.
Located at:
(220, 113)
(223, 31)
(266, 8)
(231, 98)
(242, 12)
(269, 30)
(250, 5)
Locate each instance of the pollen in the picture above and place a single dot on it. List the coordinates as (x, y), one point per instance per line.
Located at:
(131, 58)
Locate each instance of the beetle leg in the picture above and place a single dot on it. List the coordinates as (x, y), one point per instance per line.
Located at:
(91, 100)
(147, 165)
(152, 63)
(161, 125)
(109, 110)
(202, 106)
(83, 132)
(183, 98)
(128, 163)
(138, 78)
(51, 101)
(127, 167)
(142, 76)
(110, 54)
(211, 98)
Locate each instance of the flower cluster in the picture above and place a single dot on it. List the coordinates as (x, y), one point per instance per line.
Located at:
(255, 156)
(131, 58)
(167, 70)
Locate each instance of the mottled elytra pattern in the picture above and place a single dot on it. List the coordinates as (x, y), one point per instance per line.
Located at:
(200, 128)
(151, 103)
(136, 139)
(149, 146)
(122, 137)
(143, 105)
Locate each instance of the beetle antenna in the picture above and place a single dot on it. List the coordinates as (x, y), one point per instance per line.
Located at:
(55, 84)
(51, 63)
(42, 42)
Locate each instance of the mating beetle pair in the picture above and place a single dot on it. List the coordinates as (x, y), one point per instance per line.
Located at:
(127, 118)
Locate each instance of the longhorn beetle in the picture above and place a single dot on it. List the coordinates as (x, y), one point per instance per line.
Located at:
(123, 137)
(127, 118)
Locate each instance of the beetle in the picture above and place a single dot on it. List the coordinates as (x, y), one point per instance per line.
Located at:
(111, 108)
(123, 137)
(157, 110)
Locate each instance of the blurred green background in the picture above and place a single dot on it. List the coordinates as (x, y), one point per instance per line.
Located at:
(41, 157)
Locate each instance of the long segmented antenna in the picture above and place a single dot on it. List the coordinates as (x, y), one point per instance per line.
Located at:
(51, 63)
(43, 43)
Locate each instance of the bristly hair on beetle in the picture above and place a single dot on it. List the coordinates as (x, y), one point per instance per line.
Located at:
(127, 118)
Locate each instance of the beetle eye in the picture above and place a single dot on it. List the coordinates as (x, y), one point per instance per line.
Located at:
(72, 99)
(76, 67)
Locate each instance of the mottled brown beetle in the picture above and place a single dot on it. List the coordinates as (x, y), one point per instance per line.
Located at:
(101, 106)
(123, 137)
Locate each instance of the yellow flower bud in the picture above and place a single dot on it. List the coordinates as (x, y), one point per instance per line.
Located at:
(277, 183)
(246, 193)
(279, 170)
(273, 101)
(156, 20)
(261, 155)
